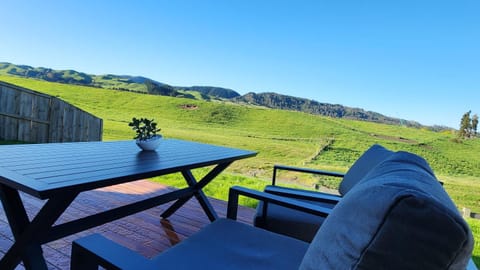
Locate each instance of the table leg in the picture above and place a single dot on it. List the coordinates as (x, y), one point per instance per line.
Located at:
(18, 220)
(197, 192)
(28, 234)
(202, 199)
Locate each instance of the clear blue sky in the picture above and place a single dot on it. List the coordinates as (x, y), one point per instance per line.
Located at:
(413, 59)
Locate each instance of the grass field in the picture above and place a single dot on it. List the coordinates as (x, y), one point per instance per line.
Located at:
(280, 137)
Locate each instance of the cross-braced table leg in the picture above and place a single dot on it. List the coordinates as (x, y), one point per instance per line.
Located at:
(28, 234)
(197, 192)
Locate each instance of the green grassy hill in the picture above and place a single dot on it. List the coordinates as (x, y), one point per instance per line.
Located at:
(280, 137)
(116, 82)
(145, 85)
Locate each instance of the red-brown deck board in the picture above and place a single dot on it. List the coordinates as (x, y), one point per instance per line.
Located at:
(144, 232)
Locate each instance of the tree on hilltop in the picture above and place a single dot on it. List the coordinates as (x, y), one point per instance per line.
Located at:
(474, 124)
(468, 126)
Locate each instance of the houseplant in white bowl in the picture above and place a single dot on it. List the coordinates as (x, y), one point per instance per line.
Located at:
(146, 133)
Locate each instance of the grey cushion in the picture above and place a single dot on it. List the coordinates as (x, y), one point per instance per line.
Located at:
(397, 217)
(367, 161)
(228, 244)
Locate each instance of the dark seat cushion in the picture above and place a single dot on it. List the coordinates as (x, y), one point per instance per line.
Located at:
(397, 217)
(228, 244)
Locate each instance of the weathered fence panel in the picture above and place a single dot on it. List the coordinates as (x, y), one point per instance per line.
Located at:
(30, 116)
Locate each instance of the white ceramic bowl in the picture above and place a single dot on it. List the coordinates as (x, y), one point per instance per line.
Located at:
(150, 144)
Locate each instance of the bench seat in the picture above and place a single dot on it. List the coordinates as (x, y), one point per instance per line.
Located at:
(224, 244)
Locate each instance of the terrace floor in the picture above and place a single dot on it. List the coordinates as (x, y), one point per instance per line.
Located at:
(144, 232)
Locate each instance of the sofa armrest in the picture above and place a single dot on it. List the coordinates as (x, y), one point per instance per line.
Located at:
(300, 194)
(95, 250)
(236, 191)
(302, 170)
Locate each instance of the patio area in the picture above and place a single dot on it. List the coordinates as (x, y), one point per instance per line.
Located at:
(144, 232)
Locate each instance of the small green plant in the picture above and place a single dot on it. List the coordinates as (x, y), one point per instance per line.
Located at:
(144, 128)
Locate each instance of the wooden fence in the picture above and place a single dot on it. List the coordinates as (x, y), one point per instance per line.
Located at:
(29, 116)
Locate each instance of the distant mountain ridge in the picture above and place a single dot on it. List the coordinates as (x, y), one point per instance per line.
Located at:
(116, 82)
(284, 102)
(146, 85)
(213, 91)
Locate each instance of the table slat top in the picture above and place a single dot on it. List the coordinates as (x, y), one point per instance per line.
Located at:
(43, 170)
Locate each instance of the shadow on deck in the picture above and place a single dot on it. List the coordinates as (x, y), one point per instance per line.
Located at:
(144, 232)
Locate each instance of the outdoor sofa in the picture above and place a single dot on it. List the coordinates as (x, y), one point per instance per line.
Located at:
(396, 217)
(303, 225)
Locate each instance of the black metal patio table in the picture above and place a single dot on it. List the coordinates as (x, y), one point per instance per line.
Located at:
(58, 172)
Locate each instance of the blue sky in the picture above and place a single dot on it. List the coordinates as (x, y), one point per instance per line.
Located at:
(413, 59)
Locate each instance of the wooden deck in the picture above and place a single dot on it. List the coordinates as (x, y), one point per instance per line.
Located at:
(144, 232)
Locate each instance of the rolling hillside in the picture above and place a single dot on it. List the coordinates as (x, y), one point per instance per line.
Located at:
(280, 137)
(283, 102)
(117, 82)
(145, 85)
